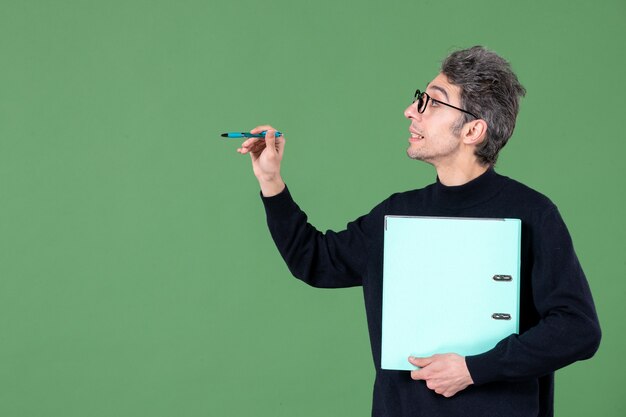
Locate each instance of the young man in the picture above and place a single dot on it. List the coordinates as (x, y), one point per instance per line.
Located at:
(459, 124)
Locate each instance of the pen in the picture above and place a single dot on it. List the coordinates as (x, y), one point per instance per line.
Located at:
(247, 135)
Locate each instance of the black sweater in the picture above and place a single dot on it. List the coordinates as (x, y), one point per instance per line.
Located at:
(558, 322)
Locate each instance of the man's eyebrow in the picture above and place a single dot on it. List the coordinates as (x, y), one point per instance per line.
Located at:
(441, 90)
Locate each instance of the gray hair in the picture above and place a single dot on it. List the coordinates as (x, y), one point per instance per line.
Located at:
(489, 89)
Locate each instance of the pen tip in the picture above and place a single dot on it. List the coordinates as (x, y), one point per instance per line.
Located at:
(224, 135)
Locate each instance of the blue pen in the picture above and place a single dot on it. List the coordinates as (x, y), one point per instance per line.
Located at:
(235, 135)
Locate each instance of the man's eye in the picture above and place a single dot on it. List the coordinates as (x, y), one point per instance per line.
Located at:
(434, 102)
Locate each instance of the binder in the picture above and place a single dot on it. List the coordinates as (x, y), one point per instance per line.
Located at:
(450, 285)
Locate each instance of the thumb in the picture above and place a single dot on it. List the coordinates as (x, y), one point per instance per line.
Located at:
(420, 362)
(270, 140)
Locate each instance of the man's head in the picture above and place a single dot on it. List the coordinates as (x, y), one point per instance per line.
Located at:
(489, 89)
(467, 111)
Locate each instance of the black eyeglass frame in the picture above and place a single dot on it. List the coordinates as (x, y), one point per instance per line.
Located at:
(420, 96)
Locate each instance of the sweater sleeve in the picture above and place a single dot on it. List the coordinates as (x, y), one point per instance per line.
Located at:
(568, 329)
(325, 260)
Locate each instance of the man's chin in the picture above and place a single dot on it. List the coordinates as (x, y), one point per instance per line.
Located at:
(414, 155)
(418, 157)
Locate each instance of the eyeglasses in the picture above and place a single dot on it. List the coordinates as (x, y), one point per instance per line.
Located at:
(423, 98)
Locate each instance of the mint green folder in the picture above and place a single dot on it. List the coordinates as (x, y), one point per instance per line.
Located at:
(450, 285)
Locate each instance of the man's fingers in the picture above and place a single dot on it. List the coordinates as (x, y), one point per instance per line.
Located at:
(250, 141)
(418, 374)
(446, 374)
(261, 128)
(251, 145)
(420, 362)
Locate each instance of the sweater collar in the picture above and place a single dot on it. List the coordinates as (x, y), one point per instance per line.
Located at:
(476, 191)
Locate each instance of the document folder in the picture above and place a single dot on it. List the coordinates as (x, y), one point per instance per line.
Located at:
(450, 285)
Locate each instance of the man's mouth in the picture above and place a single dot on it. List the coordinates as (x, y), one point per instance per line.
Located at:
(415, 135)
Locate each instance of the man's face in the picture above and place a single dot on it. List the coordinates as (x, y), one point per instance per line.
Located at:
(432, 133)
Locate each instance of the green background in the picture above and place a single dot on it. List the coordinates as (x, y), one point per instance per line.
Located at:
(137, 276)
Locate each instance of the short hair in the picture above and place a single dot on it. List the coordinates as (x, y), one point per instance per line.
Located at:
(489, 89)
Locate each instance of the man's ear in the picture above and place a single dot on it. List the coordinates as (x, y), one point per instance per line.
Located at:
(474, 132)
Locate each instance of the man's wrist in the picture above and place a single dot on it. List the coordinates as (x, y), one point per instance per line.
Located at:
(270, 188)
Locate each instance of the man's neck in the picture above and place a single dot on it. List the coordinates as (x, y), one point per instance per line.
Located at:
(459, 174)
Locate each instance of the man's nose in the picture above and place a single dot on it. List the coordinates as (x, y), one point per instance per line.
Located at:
(411, 112)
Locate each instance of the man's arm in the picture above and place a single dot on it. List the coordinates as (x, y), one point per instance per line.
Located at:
(328, 260)
(567, 331)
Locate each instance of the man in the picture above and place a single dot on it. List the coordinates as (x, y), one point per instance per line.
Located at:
(459, 124)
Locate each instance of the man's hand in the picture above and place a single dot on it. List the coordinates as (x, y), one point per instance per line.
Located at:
(445, 374)
(266, 155)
